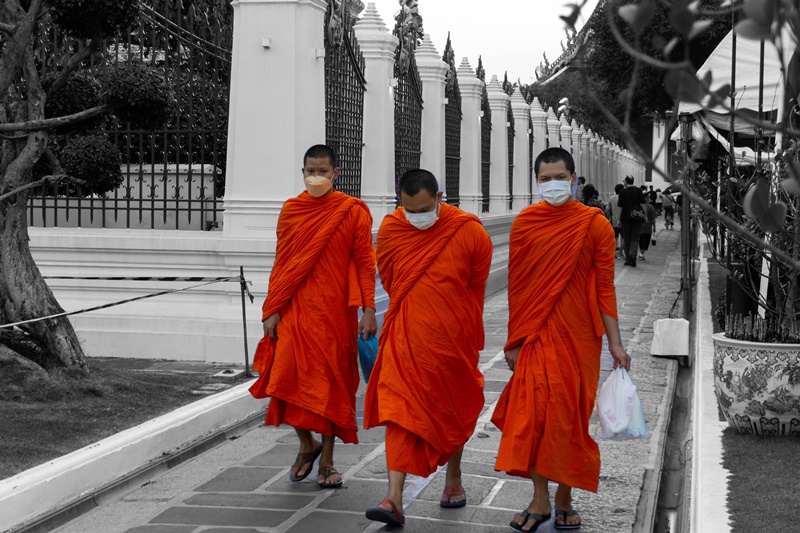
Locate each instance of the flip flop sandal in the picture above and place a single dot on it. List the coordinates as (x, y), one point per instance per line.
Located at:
(564, 514)
(393, 517)
(448, 493)
(326, 472)
(540, 519)
(303, 459)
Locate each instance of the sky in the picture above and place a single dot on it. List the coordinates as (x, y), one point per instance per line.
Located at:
(511, 35)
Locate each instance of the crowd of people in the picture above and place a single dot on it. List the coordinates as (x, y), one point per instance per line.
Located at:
(633, 212)
(425, 387)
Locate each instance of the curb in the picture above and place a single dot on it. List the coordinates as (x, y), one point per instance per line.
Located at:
(53, 493)
(647, 508)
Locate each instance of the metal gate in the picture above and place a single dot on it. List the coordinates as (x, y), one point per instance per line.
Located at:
(344, 94)
(172, 178)
(511, 135)
(486, 138)
(452, 120)
(407, 94)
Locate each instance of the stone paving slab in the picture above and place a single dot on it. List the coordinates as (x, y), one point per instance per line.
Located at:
(249, 491)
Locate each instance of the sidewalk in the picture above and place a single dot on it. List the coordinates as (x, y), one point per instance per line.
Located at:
(242, 485)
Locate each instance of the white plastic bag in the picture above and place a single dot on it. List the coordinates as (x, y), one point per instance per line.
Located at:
(615, 402)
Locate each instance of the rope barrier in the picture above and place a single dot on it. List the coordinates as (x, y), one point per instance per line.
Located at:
(243, 286)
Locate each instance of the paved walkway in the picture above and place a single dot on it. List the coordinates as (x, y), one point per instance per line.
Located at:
(242, 486)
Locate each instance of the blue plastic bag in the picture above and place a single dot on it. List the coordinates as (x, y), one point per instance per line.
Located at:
(367, 353)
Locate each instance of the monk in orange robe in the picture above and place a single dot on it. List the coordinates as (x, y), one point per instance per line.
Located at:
(561, 301)
(324, 271)
(433, 261)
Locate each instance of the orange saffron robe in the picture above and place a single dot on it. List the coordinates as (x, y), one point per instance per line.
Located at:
(560, 280)
(425, 386)
(324, 271)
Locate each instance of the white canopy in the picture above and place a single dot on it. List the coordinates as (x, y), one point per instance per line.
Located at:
(747, 77)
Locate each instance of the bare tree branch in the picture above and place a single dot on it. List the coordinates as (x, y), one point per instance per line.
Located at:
(53, 179)
(50, 123)
(73, 63)
(14, 137)
(7, 28)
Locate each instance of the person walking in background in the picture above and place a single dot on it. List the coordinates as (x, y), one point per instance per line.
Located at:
(669, 210)
(659, 202)
(630, 200)
(648, 229)
(613, 213)
(580, 184)
(433, 261)
(652, 196)
(592, 198)
(324, 271)
(561, 300)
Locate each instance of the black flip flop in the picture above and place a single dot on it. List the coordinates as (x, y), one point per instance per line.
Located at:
(302, 459)
(565, 514)
(326, 472)
(379, 514)
(540, 519)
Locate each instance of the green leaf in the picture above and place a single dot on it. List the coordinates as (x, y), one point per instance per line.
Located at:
(750, 29)
(638, 16)
(681, 19)
(773, 219)
(756, 201)
(671, 46)
(684, 86)
(762, 12)
(699, 27)
(791, 186)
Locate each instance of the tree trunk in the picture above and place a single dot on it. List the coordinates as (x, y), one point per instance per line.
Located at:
(25, 295)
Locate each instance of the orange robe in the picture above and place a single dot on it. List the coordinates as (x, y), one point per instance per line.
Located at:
(324, 270)
(560, 280)
(426, 387)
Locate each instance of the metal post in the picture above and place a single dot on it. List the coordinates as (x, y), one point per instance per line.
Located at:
(243, 289)
(731, 169)
(686, 224)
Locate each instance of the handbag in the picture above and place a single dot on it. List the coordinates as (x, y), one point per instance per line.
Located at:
(638, 215)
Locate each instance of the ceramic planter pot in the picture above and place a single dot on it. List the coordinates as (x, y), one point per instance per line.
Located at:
(758, 385)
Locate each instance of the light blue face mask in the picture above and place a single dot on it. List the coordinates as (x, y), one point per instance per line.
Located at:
(424, 220)
(556, 192)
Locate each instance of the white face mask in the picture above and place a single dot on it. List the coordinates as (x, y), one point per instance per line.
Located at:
(555, 192)
(424, 220)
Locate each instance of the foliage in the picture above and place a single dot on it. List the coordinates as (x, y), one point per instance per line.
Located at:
(145, 98)
(94, 160)
(82, 91)
(92, 18)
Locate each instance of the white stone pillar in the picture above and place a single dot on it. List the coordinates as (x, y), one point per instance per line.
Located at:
(553, 130)
(521, 192)
(278, 50)
(602, 159)
(539, 120)
(432, 71)
(586, 168)
(377, 161)
(566, 134)
(498, 180)
(577, 134)
(593, 156)
(471, 87)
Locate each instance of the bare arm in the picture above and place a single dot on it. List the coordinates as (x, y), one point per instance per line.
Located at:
(621, 357)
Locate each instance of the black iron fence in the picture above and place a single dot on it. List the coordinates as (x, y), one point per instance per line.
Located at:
(531, 155)
(172, 178)
(452, 136)
(511, 134)
(407, 118)
(344, 96)
(486, 149)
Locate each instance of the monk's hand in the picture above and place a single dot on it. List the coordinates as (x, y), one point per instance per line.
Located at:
(621, 357)
(511, 357)
(271, 326)
(368, 325)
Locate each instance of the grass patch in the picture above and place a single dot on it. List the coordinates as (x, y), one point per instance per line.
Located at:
(763, 487)
(45, 418)
(764, 484)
